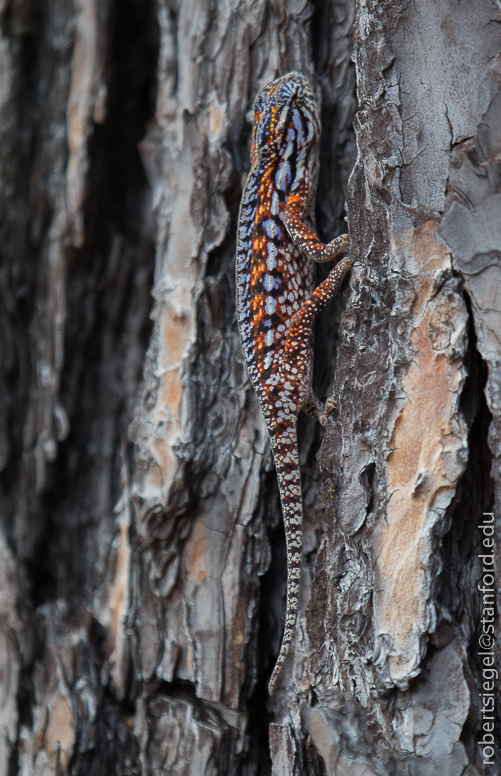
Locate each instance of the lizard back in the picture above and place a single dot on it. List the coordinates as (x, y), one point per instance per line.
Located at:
(274, 278)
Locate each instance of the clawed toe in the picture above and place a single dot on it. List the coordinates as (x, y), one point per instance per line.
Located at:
(330, 406)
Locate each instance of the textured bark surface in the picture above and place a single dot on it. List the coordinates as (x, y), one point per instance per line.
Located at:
(142, 557)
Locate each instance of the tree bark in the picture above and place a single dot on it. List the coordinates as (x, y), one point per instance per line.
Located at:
(142, 555)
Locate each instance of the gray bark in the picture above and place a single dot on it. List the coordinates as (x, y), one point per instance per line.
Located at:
(142, 557)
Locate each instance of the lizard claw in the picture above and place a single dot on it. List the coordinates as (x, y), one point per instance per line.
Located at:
(330, 406)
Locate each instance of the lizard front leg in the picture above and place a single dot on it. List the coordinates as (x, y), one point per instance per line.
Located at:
(305, 238)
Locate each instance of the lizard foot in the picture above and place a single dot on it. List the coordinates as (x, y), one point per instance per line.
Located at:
(330, 407)
(339, 245)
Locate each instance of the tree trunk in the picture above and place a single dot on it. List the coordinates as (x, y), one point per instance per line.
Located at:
(142, 554)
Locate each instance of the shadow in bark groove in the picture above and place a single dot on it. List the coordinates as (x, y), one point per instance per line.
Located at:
(115, 749)
(107, 329)
(231, 758)
(19, 248)
(108, 297)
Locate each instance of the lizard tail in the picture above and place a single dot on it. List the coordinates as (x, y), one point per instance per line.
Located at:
(283, 438)
(289, 481)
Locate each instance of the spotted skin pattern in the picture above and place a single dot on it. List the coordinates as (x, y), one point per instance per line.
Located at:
(276, 304)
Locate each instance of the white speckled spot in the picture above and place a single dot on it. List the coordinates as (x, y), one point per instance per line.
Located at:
(272, 229)
(270, 305)
(269, 338)
(283, 176)
(268, 282)
(275, 204)
(272, 256)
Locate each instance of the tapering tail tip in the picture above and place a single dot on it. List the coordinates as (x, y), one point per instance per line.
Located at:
(273, 680)
(284, 650)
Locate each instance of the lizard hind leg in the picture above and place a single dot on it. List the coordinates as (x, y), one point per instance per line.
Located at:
(298, 343)
(313, 406)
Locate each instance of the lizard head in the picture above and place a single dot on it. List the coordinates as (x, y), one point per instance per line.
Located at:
(284, 107)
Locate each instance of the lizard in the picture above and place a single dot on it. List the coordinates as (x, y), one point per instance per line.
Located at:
(276, 303)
